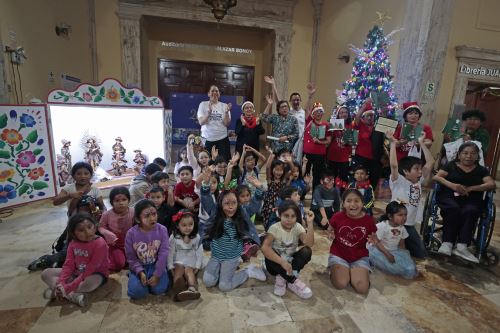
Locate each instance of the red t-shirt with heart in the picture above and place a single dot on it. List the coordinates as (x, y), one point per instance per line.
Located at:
(351, 236)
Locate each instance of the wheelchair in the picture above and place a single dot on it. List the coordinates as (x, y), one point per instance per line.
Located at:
(432, 224)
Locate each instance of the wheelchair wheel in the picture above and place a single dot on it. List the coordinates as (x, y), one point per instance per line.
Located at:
(426, 218)
(434, 244)
(491, 227)
(489, 258)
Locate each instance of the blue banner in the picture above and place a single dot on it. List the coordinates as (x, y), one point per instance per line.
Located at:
(185, 107)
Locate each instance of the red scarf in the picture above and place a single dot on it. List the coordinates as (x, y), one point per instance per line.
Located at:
(251, 121)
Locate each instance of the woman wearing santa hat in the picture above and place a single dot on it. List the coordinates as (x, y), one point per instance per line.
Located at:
(411, 115)
(370, 148)
(316, 139)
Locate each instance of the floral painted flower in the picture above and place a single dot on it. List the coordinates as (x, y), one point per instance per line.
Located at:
(13, 114)
(87, 97)
(6, 174)
(27, 120)
(25, 158)
(36, 173)
(7, 192)
(11, 136)
(112, 94)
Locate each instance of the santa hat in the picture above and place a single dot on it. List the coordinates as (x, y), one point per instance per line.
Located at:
(368, 109)
(411, 106)
(317, 107)
(118, 139)
(245, 103)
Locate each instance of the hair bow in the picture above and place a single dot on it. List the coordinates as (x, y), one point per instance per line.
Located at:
(177, 217)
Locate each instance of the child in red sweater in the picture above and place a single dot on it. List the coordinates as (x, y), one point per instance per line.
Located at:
(86, 266)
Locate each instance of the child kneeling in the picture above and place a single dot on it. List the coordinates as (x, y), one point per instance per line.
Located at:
(146, 248)
(351, 228)
(280, 249)
(387, 251)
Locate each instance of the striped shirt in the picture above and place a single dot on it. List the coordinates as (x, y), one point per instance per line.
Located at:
(228, 246)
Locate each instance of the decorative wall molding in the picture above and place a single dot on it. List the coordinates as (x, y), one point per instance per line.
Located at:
(275, 15)
(487, 15)
(317, 6)
(473, 57)
(109, 92)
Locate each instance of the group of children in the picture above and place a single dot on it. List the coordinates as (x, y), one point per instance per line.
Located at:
(160, 231)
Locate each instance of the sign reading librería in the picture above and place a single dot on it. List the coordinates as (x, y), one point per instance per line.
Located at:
(483, 71)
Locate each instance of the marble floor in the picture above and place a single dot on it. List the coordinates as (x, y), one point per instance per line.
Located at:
(450, 296)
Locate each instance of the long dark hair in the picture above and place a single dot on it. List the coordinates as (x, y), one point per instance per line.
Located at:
(392, 208)
(75, 220)
(276, 163)
(217, 229)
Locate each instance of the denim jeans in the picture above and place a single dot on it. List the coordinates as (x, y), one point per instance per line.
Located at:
(414, 243)
(224, 272)
(136, 290)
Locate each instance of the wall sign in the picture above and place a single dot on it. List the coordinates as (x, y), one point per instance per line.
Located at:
(225, 49)
(481, 71)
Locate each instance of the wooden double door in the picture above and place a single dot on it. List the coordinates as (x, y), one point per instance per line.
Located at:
(197, 77)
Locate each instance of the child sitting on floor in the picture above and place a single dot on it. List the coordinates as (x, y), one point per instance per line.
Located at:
(86, 266)
(185, 256)
(146, 248)
(387, 249)
(325, 201)
(362, 184)
(280, 248)
(114, 225)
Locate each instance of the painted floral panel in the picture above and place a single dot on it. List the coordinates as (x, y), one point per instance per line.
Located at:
(26, 165)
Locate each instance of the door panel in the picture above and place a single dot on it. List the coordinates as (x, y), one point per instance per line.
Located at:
(197, 77)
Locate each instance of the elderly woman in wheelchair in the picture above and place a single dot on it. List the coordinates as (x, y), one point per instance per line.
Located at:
(460, 199)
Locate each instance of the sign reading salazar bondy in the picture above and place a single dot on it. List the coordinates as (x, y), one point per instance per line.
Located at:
(482, 71)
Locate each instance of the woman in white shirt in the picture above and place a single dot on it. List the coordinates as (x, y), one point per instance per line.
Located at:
(214, 118)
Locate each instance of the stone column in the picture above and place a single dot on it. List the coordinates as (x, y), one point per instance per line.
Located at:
(130, 35)
(281, 61)
(422, 52)
(317, 5)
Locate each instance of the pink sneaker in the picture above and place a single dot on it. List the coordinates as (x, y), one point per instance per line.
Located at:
(279, 286)
(249, 250)
(300, 289)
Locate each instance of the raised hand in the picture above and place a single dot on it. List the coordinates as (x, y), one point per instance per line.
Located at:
(421, 138)
(269, 150)
(229, 105)
(243, 121)
(308, 179)
(311, 88)
(309, 217)
(269, 79)
(215, 152)
(254, 181)
(269, 99)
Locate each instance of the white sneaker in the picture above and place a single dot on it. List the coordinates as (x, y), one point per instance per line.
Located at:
(446, 248)
(279, 286)
(49, 294)
(255, 272)
(300, 289)
(77, 298)
(463, 252)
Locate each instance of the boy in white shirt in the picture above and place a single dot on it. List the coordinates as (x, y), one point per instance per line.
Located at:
(406, 186)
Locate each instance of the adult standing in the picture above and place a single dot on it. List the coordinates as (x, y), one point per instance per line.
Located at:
(474, 130)
(285, 128)
(214, 118)
(248, 128)
(411, 116)
(296, 111)
(370, 142)
(316, 139)
(338, 151)
(460, 199)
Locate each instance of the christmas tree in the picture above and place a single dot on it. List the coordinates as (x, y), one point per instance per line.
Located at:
(371, 76)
